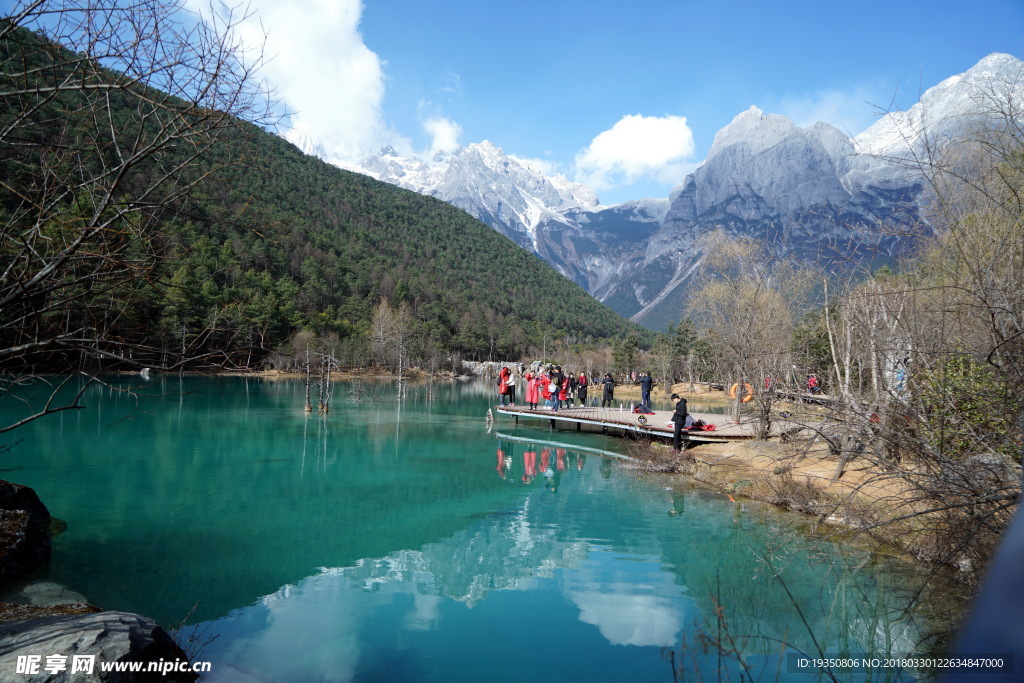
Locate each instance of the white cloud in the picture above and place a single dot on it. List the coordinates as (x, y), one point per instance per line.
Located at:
(323, 73)
(850, 111)
(542, 166)
(453, 85)
(637, 147)
(444, 134)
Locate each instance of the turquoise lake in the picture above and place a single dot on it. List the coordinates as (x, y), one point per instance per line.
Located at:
(404, 540)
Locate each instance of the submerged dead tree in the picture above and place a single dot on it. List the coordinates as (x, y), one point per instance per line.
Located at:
(326, 364)
(309, 405)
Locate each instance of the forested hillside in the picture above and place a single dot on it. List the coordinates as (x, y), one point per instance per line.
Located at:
(307, 245)
(146, 226)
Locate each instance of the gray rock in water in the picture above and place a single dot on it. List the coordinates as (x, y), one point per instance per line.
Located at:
(108, 637)
(44, 593)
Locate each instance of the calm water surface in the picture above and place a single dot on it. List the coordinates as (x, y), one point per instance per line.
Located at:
(404, 541)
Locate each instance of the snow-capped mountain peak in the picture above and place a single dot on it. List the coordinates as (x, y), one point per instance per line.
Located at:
(980, 92)
(754, 128)
(507, 192)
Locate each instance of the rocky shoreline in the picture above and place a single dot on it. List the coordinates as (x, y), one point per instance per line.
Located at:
(46, 630)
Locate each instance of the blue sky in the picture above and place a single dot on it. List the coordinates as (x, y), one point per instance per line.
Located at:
(624, 96)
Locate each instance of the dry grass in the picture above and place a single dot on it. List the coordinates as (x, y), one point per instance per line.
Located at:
(10, 611)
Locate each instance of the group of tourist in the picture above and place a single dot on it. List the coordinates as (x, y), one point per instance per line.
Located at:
(557, 389)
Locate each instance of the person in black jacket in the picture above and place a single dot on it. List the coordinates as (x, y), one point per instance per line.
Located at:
(646, 383)
(581, 388)
(678, 421)
(608, 395)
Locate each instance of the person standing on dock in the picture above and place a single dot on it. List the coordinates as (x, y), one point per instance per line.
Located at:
(556, 387)
(503, 378)
(646, 384)
(581, 388)
(563, 393)
(679, 419)
(608, 395)
(531, 390)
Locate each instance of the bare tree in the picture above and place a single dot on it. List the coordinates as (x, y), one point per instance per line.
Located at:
(383, 332)
(105, 110)
(750, 300)
(931, 359)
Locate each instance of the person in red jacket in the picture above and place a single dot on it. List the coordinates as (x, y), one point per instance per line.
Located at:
(531, 390)
(503, 378)
(563, 393)
(501, 385)
(545, 388)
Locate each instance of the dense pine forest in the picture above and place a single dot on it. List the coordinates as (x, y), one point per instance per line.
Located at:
(283, 242)
(140, 226)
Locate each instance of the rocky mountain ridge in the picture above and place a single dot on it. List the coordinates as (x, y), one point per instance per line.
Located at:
(814, 192)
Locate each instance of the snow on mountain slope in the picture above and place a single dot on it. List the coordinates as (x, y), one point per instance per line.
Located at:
(481, 179)
(980, 93)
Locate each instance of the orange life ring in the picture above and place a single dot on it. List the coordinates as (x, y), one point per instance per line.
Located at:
(748, 389)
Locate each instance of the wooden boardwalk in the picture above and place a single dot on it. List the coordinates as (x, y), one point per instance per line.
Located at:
(606, 419)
